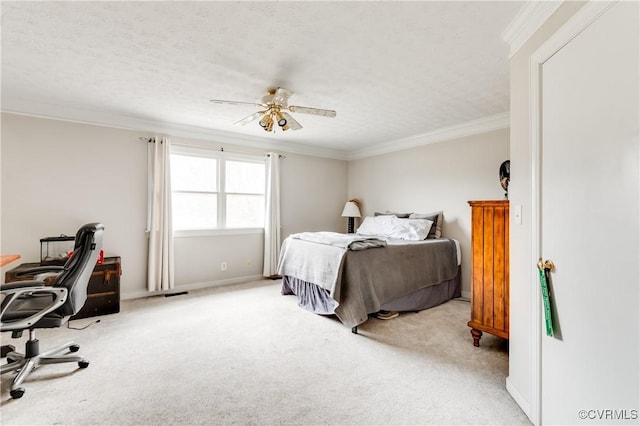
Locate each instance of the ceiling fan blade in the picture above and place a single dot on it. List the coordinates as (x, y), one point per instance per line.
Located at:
(291, 123)
(221, 101)
(281, 96)
(249, 118)
(313, 111)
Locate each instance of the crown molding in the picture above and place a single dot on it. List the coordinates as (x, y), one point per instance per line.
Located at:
(119, 121)
(474, 127)
(527, 21)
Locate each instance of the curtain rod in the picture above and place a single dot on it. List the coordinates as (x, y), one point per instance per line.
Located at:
(221, 149)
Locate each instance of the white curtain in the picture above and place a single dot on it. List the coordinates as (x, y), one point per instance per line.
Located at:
(272, 216)
(160, 271)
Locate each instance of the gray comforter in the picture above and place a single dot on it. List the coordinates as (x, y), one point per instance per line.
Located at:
(360, 281)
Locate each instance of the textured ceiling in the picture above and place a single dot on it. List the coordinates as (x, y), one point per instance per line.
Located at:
(391, 70)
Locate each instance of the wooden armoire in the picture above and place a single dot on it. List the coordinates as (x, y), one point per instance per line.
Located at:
(489, 269)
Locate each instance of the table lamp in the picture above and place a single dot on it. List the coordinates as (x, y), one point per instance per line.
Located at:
(351, 210)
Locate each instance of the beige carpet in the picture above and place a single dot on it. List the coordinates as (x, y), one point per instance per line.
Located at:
(247, 355)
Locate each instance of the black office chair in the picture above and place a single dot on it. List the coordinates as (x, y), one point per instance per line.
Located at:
(29, 305)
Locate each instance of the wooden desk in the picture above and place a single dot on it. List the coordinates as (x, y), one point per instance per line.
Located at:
(5, 259)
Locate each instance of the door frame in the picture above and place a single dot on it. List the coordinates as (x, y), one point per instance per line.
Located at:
(588, 14)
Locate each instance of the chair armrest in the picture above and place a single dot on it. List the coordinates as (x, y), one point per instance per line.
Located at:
(20, 293)
(21, 284)
(45, 276)
(41, 273)
(39, 269)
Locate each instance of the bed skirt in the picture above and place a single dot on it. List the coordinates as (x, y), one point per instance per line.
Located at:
(316, 299)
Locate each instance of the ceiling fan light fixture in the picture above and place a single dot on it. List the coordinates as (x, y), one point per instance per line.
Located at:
(266, 121)
(281, 120)
(275, 109)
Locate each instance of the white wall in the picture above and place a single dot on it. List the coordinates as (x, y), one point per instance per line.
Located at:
(440, 176)
(58, 175)
(521, 258)
(314, 191)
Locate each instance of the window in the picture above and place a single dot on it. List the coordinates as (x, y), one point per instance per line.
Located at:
(215, 190)
(245, 184)
(194, 187)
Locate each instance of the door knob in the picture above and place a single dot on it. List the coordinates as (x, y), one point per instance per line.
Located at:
(546, 265)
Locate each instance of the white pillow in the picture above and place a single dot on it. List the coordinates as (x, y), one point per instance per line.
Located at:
(394, 227)
(410, 229)
(436, 217)
(373, 225)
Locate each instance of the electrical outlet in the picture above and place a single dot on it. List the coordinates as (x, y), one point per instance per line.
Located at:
(223, 266)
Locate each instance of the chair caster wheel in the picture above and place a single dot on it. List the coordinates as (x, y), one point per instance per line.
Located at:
(17, 393)
(74, 348)
(83, 364)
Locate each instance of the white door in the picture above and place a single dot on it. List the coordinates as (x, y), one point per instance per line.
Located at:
(589, 223)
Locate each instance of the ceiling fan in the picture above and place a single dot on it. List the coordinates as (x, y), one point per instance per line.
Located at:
(275, 109)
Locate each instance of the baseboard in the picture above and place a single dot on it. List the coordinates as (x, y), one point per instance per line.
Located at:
(466, 294)
(518, 398)
(194, 286)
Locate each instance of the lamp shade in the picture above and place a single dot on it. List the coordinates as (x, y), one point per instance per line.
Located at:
(351, 210)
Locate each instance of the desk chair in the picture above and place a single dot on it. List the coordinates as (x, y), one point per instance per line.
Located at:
(29, 305)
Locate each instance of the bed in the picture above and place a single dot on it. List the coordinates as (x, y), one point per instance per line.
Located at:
(354, 275)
